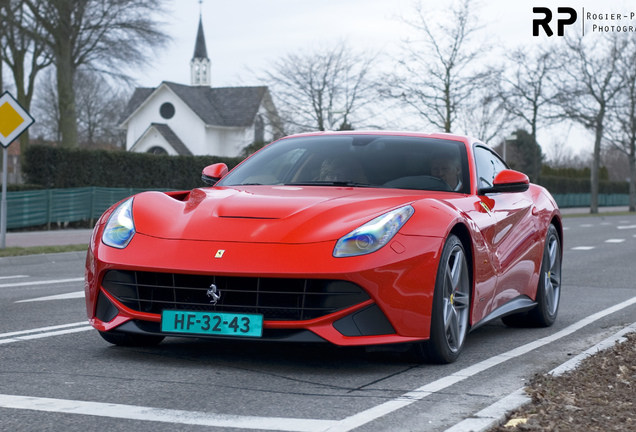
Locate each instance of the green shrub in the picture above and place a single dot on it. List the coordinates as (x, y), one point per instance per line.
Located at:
(54, 168)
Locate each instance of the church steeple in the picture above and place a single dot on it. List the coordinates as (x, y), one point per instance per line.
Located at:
(200, 63)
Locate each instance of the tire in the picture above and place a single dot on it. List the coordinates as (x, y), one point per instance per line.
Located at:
(131, 339)
(548, 296)
(451, 307)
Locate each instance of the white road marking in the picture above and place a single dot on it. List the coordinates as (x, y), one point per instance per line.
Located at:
(293, 424)
(73, 295)
(132, 412)
(43, 332)
(586, 225)
(583, 248)
(44, 282)
(614, 240)
(626, 227)
(13, 277)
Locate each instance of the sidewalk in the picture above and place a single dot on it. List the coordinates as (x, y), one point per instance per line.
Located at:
(49, 238)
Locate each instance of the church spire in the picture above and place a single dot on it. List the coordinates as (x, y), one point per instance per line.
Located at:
(200, 63)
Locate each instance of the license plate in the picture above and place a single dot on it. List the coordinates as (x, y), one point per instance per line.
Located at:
(212, 323)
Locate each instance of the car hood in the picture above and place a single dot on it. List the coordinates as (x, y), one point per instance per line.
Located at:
(270, 214)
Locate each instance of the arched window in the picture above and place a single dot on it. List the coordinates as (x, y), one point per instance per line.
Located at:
(157, 150)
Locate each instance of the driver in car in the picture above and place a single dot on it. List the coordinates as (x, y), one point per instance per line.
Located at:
(448, 169)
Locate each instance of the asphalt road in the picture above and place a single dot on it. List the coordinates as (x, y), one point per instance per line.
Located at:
(56, 374)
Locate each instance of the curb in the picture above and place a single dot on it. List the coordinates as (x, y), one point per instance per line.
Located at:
(496, 413)
(43, 258)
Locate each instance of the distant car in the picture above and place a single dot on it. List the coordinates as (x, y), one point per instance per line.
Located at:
(353, 238)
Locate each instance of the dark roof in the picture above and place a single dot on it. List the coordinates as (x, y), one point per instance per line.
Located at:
(223, 106)
(172, 139)
(199, 47)
(168, 134)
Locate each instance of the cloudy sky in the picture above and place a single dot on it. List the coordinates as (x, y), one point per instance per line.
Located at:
(248, 35)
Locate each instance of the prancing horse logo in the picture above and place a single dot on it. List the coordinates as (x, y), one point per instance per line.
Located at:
(214, 293)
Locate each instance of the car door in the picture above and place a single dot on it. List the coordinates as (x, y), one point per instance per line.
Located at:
(514, 242)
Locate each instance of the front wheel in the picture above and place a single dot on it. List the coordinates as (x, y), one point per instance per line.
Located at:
(549, 289)
(451, 306)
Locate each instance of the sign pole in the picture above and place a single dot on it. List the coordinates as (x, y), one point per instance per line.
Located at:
(13, 121)
(3, 210)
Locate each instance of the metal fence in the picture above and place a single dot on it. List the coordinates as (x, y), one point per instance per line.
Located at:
(41, 207)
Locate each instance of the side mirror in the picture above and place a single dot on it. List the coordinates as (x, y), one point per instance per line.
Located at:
(507, 181)
(213, 173)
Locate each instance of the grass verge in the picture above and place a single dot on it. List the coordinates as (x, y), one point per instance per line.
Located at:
(36, 250)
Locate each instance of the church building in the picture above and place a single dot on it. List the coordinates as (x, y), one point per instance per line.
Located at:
(198, 119)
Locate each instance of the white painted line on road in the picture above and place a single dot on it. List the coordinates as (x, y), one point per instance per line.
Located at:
(294, 424)
(13, 277)
(44, 282)
(586, 225)
(626, 227)
(43, 332)
(614, 240)
(493, 415)
(583, 248)
(132, 412)
(73, 295)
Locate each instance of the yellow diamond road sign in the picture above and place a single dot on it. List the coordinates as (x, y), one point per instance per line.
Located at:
(13, 119)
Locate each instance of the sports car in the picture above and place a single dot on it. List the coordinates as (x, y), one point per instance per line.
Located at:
(350, 238)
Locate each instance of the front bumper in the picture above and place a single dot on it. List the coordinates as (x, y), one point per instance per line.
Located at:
(397, 284)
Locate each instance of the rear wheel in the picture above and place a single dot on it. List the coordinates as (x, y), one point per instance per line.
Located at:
(549, 289)
(131, 339)
(451, 307)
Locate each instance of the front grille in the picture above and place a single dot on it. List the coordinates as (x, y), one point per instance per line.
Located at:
(277, 299)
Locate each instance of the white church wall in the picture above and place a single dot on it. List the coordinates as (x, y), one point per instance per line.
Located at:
(185, 123)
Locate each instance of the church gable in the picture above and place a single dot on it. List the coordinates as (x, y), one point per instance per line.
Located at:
(197, 118)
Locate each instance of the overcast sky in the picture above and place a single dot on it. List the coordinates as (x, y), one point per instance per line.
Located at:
(246, 35)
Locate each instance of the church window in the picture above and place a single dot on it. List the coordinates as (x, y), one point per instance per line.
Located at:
(167, 110)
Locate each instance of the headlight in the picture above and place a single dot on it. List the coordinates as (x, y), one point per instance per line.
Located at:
(374, 234)
(120, 227)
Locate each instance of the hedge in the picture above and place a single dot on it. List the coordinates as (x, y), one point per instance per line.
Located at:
(568, 185)
(57, 168)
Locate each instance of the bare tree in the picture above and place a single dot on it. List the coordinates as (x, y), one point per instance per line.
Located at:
(485, 117)
(321, 89)
(23, 51)
(437, 74)
(527, 92)
(99, 106)
(623, 133)
(107, 36)
(589, 83)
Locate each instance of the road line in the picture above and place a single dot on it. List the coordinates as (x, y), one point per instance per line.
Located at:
(73, 295)
(13, 277)
(585, 248)
(626, 227)
(291, 424)
(381, 410)
(42, 332)
(44, 282)
(614, 240)
(132, 412)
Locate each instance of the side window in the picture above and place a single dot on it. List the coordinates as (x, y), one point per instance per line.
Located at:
(488, 166)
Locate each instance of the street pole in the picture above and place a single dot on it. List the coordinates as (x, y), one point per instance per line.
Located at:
(3, 209)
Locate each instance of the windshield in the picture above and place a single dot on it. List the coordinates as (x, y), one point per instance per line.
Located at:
(359, 161)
